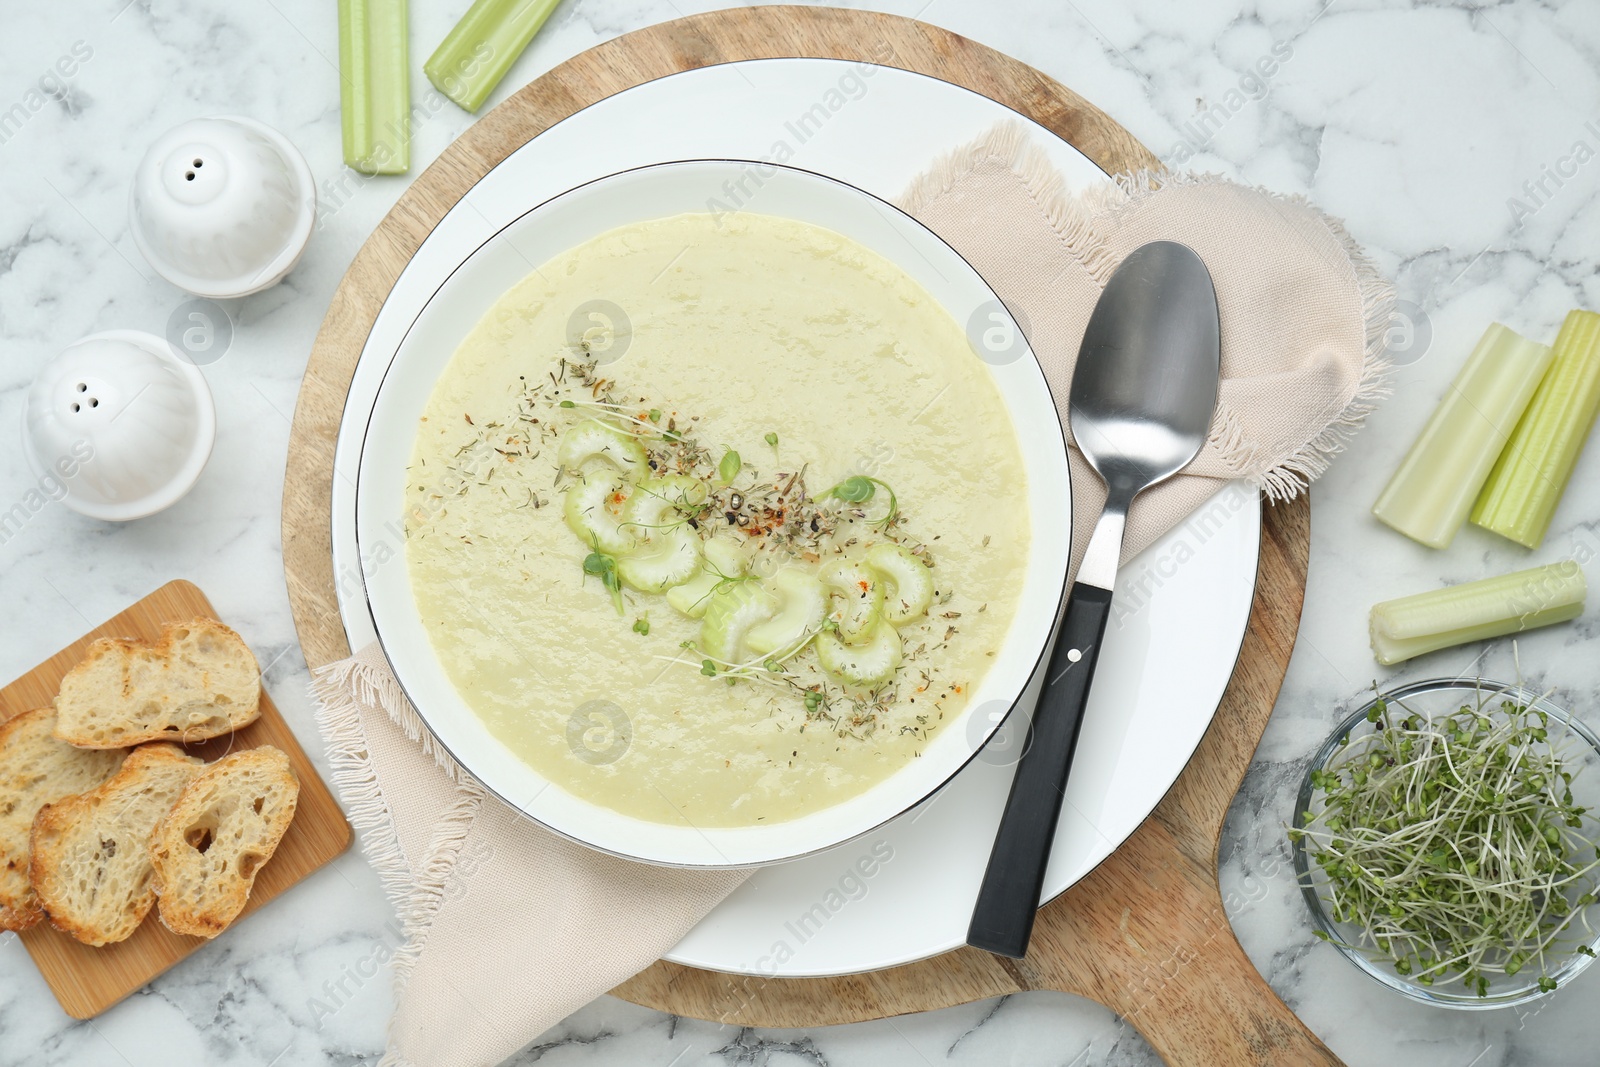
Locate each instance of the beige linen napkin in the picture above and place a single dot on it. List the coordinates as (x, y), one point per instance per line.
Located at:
(1303, 311)
(509, 928)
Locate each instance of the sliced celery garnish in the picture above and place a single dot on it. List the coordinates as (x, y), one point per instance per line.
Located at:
(723, 564)
(912, 581)
(375, 86)
(733, 610)
(1429, 496)
(671, 558)
(862, 599)
(1521, 496)
(663, 503)
(804, 605)
(1473, 611)
(589, 514)
(593, 440)
(474, 56)
(864, 665)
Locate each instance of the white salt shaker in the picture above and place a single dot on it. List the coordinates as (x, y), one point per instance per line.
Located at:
(122, 422)
(222, 207)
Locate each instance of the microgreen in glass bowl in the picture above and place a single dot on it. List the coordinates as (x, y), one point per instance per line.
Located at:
(1444, 840)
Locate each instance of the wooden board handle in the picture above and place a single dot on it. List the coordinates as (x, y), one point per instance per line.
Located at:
(1149, 939)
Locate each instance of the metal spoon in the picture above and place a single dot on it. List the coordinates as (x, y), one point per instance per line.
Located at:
(1143, 394)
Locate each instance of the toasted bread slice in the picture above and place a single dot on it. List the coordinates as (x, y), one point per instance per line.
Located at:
(35, 770)
(199, 681)
(224, 827)
(91, 853)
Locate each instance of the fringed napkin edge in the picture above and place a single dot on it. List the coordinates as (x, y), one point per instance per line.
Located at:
(1072, 215)
(338, 689)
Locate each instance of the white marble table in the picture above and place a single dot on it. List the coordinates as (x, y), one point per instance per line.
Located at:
(1433, 130)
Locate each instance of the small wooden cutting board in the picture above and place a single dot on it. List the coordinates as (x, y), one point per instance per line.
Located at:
(88, 980)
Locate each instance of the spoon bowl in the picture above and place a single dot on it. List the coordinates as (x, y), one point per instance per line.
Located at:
(1145, 386)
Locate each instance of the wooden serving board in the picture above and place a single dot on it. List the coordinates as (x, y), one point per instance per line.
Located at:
(88, 980)
(1146, 933)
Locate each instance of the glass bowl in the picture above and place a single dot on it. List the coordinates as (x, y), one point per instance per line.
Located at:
(1433, 699)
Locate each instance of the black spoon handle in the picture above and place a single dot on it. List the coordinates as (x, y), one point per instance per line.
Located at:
(1002, 919)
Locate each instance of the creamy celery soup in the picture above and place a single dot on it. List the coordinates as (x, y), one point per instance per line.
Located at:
(716, 521)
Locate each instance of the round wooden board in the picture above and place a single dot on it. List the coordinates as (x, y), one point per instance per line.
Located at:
(1145, 934)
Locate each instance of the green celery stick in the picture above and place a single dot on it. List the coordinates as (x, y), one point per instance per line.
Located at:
(1473, 611)
(474, 56)
(1522, 493)
(1432, 491)
(375, 86)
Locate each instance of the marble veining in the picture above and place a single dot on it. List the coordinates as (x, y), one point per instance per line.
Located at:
(1458, 141)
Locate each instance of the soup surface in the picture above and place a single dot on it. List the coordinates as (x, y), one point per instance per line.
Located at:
(818, 405)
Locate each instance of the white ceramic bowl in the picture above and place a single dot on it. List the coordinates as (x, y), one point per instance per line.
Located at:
(222, 207)
(571, 219)
(123, 422)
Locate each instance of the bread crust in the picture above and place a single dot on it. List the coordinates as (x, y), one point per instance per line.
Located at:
(101, 839)
(36, 770)
(198, 681)
(223, 829)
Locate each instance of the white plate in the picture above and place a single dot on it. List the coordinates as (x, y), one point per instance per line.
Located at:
(571, 219)
(1181, 608)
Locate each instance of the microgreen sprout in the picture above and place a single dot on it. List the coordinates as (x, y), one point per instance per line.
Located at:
(604, 567)
(633, 423)
(772, 439)
(641, 625)
(856, 489)
(860, 488)
(1453, 843)
(755, 670)
(730, 466)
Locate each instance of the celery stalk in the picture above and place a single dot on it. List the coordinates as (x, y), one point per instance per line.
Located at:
(1431, 493)
(1522, 493)
(1473, 611)
(474, 56)
(374, 86)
